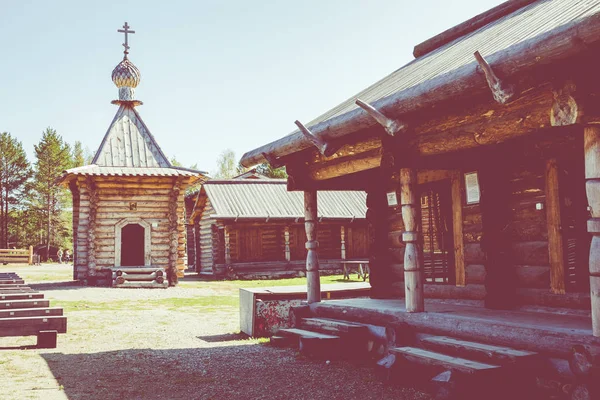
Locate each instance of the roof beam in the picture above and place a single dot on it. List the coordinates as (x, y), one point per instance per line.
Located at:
(324, 148)
(502, 92)
(391, 126)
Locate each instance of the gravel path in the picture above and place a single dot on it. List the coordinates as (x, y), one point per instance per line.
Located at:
(160, 353)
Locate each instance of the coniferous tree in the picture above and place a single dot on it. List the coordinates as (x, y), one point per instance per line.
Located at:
(53, 156)
(14, 172)
(78, 155)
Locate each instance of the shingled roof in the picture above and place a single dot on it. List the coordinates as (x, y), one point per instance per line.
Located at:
(262, 198)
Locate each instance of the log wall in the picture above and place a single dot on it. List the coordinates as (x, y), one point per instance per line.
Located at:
(206, 238)
(103, 202)
(527, 224)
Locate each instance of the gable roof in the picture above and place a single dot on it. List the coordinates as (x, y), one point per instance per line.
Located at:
(447, 68)
(129, 143)
(269, 198)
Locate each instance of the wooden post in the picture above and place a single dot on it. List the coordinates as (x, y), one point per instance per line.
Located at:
(553, 220)
(457, 225)
(591, 145)
(30, 260)
(286, 236)
(413, 255)
(343, 242)
(227, 245)
(312, 258)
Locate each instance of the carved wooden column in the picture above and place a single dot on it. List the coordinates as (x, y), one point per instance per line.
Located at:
(342, 242)
(286, 237)
(312, 258)
(173, 233)
(413, 255)
(227, 245)
(592, 187)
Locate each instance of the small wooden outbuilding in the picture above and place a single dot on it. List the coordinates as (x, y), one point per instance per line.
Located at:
(252, 227)
(481, 163)
(128, 205)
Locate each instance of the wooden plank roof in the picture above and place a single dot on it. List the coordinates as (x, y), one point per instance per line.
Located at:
(413, 82)
(261, 199)
(129, 143)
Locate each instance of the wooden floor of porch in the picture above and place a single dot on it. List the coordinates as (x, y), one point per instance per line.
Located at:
(553, 333)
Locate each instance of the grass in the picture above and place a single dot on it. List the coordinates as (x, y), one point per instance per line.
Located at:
(172, 304)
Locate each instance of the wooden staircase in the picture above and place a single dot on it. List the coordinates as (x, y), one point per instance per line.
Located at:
(139, 277)
(25, 312)
(446, 366)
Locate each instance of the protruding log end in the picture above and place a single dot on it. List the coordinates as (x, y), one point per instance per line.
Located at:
(326, 149)
(391, 126)
(502, 92)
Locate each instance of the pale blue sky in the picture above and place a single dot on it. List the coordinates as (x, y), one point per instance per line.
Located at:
(215, 74)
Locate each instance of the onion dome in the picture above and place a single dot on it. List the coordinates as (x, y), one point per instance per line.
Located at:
(126, 77)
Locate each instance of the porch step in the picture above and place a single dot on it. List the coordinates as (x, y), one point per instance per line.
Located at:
(304, 333)
(311, 343)
(139, 277)
(431, 358)
(334, 326)
(478, 351)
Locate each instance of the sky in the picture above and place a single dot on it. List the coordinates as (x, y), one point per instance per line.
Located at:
(216, 75)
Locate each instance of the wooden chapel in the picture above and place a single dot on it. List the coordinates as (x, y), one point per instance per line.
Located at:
(128, 205)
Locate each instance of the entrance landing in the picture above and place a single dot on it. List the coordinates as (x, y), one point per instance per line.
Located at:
(545, 332)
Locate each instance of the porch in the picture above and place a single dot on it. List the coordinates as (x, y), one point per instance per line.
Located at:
(551, 332)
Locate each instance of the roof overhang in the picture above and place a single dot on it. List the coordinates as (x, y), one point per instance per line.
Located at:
(524, 62)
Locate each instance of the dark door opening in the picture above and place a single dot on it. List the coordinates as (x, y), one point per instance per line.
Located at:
(438, 240)
(132, 245)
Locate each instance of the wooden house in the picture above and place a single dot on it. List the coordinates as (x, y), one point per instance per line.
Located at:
(252, 227)
(128, 205)
(481, 163)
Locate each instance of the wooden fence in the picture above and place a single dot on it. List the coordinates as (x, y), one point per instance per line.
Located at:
(17, 256)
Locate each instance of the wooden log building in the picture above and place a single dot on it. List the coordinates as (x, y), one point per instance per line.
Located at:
(128, 205)
(251, 227)
(481, 163)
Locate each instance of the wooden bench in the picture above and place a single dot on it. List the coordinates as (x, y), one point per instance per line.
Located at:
(17, 256)
(25, 312)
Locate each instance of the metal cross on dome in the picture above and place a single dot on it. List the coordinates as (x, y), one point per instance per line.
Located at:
(125, 31)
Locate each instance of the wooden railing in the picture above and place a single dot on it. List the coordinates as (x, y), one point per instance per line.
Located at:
(17, 256)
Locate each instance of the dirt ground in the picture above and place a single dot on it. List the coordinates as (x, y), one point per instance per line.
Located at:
(178, 343)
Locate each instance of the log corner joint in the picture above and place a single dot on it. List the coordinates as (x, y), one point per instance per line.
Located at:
(326, 149)
(502, 92)
(391, 126)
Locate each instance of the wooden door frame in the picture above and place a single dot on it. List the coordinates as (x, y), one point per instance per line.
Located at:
(147, 238)
(426, 176)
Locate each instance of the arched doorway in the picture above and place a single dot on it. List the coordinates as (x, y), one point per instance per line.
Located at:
(132, 245)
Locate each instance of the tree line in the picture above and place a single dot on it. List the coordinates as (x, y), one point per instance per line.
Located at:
(34, 208)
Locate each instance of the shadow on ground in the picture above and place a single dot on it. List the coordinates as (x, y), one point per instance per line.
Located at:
(227, 337)
(61, 285)
(246, 371)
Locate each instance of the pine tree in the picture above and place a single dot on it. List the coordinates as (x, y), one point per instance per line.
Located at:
(14, 172)
(78, 155)
(53, 157)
